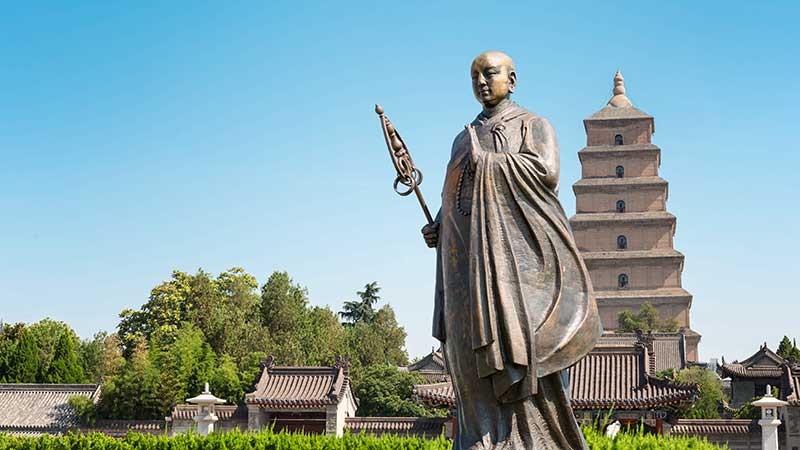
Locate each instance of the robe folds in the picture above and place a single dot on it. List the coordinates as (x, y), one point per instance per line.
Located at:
(514, 304)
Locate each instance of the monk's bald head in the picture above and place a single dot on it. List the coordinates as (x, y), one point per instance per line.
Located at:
(493, 78)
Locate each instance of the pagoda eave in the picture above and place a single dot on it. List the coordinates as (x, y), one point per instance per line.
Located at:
(631, 256)
(586, 220)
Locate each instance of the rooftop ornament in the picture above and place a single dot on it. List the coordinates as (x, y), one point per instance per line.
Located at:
(619, 100)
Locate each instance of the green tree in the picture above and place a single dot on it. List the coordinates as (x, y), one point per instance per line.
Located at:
(100, 356)
(47, 333)
(284, 311)
(23, 361)
(133, 393)
(184, 361)
(378, 342)
(225, 309)
(711, 393)
(788, 349)
(326, 339)
(225, 381)
(362, 310)
(164, 311)
(386, 391)
(646, 320)
(84, 408)
(64, 367)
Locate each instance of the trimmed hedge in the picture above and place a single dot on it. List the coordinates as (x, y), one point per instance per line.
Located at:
(283, 441)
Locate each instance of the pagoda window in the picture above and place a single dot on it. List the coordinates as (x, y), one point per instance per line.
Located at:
(620, 206)
(622, 242)
(620, 172)
(622, 281)
(618, 139)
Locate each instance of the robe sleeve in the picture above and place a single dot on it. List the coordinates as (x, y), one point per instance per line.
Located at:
(529, 290)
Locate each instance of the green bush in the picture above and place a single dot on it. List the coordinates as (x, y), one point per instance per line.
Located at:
(283, 441)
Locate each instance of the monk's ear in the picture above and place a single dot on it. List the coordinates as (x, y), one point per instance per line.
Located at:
(512, 80)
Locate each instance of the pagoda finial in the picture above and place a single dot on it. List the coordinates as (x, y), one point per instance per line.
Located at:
(619, 99)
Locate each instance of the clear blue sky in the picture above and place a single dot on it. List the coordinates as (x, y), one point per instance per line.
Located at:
(142, 137)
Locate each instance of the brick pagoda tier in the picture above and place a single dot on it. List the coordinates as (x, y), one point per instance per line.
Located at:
(621, 225)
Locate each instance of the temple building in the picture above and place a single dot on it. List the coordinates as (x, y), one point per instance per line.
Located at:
(432, 367)
(621, 224)
(38, 409)
(308, 399)
(750, 377)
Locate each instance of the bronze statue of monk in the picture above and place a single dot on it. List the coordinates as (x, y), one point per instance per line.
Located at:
(514, 304)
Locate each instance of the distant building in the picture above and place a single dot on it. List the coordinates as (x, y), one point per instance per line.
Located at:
(621, 224)
(37, 409)
(310, 399)
(750, 378)
(432, 367)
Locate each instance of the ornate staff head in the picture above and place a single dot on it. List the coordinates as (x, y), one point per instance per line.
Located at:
(407, 173)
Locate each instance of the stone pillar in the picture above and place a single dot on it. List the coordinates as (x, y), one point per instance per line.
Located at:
(769, 419)
(332, 421)
(255, 418)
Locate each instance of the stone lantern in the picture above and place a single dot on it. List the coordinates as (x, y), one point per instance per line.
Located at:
(205, 417)
(769, 419)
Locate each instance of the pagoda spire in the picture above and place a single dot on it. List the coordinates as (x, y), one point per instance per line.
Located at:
(619, 100)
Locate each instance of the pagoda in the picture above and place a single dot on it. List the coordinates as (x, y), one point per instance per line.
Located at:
(621, 224)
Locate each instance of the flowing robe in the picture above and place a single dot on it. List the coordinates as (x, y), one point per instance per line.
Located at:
(514, 304)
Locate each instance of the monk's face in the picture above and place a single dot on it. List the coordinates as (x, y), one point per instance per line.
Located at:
(493, 78)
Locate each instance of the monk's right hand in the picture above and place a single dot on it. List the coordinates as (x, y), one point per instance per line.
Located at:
(431, 234)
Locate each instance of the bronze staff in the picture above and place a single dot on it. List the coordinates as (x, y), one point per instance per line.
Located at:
(407, 173)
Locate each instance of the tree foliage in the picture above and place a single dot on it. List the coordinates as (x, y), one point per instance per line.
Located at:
(646, 320)
(198, 328)
(85, 409)
(361, 310)
(787, 349)
(711, 392)
(386, 391)
(64, 367)
(22, 363)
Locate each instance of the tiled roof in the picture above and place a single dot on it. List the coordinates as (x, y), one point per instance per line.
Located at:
(668, 349)
(614, 256)
(621, 377)
(618, 372)
(610, 112)
(30, 407)
(618, 183)
(702, 427)
(627, 148)
(590, 219)
(436, 394)
(300, 387)
(223, 412)
(762, 364)
(431, 367)
(415, 426)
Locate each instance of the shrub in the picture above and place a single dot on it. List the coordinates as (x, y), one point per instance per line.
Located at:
(281, 441)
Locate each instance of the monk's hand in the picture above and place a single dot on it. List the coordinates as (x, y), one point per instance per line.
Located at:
(474, 144)
(431, 234)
